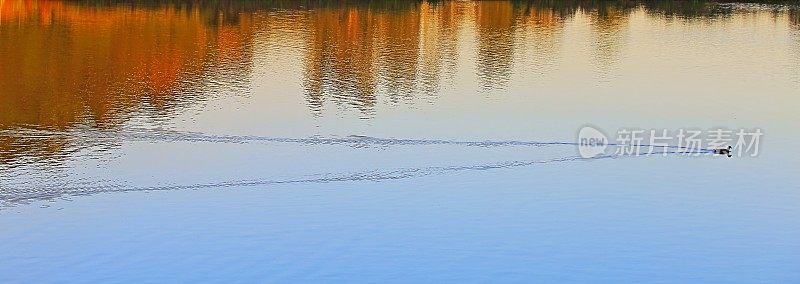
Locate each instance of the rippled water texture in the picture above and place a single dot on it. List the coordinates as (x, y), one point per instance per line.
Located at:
(414, 141)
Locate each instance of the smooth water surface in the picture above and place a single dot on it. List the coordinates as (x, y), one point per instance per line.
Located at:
(398, 141)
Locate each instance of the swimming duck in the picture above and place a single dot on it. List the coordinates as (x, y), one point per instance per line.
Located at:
(724, 151)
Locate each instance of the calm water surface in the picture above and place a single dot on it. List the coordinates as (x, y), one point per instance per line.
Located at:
(287, 141)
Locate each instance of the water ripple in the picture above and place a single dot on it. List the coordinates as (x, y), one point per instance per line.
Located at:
(14, 196)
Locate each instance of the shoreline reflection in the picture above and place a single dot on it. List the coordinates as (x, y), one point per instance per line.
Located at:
(69, 64)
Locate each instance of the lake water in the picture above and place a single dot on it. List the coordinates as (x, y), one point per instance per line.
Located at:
(393, 141)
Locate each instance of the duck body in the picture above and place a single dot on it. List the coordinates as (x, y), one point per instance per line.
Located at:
(724, 151)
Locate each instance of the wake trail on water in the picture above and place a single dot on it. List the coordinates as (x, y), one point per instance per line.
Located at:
(14, 196)
(155, 134)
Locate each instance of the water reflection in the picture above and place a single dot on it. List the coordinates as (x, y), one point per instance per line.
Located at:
(794, 17)
(66, 64)
(103, 64)
(609, 24)
(494, 22)
(340, 58)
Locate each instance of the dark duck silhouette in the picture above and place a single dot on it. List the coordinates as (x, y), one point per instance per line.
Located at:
(724, 151)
